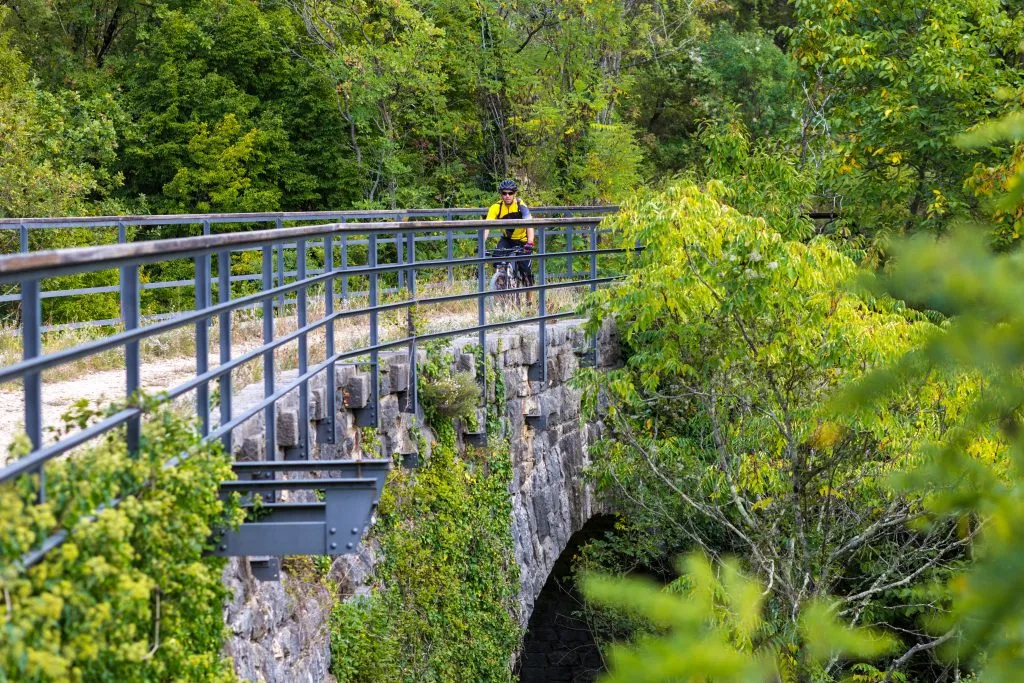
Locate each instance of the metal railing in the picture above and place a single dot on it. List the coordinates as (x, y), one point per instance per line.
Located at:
(318, 245)
(206, 224)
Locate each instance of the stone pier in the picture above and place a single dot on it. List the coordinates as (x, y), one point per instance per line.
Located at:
(279, 631)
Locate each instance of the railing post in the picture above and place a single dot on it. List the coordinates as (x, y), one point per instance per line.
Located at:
(300, 319)
(224, 295)
(32, 347)
(344, 265)
(202, 292)
(280, 264)
(481, 251)
(571, 247)
(399, 255)
(209, 276)
(130, 317)
(23, 238)
(330, 434)
(542, 335)
(411, 397)
(371, 258)
(450, 248)
(269, 421)
(593, 280)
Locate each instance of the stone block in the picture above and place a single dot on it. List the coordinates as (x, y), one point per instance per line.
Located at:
(512, 357)
(252, 448)
(465, 362)
(342, 373)
(318, 404)
(531, 350)
(357, 391)
(398, 374)
(405, 443)
(287, 427)
(383, 384)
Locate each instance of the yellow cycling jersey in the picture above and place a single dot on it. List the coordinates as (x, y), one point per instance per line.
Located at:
(514, 210)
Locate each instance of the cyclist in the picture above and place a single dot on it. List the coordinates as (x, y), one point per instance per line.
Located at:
(508, 206)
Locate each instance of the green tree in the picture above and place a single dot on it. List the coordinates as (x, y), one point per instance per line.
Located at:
(888, 86)
(718, 437)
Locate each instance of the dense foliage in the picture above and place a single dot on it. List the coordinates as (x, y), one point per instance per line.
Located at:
(719, 434)
(891, 507)
(129, 596)
(445, 604)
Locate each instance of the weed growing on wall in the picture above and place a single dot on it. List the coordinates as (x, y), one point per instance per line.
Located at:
(129, 597)
(447, 581)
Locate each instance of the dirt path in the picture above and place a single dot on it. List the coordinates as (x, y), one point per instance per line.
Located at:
(102, 386)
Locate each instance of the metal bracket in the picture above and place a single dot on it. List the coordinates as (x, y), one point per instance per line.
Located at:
(265, 567)
(538, 421)
(535, 372)
(326, 432)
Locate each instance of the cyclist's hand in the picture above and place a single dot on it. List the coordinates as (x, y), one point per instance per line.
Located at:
(528, 247)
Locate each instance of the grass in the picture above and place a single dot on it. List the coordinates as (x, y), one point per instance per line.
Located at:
(247, 332)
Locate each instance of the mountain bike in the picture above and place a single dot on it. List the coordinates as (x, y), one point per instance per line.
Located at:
(506, 278)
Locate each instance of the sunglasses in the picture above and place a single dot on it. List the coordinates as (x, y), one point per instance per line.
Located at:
(508, 194)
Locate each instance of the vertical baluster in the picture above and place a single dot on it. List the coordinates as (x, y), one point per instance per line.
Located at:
(300, 320)
(268, 355)
(399, 254)
(280, 265)
(23, 238)
(450, 248)
(570, 247)
(32, 347)
(224, 295)
(332, 378)
(130, 317)
(209, 288)
(344, 265)
(374, 338)
(411, 397)
(543, 306)
(202, 292)
(593, 283)
(481, 307)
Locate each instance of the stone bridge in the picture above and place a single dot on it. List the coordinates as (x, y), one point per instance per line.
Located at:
(279, 631)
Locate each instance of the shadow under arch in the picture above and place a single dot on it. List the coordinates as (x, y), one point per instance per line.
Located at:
(558, 646)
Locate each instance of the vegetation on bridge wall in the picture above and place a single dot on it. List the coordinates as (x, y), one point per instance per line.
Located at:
(447, 581)
(129, 597)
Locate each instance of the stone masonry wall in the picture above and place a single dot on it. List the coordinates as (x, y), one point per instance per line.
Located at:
(279, 630)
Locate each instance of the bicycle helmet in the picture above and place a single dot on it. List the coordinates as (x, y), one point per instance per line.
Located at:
(508, 186)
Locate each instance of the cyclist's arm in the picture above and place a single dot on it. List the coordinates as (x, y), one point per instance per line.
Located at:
(492, 213)
(529, 236)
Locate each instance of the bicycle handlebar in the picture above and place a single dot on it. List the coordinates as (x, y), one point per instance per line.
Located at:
(518, 251)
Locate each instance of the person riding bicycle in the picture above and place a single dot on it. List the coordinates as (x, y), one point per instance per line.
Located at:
(513, 238)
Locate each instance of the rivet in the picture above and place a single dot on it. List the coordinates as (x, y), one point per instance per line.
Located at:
(334, 546)
(355, 531)
(349, 546)
(333, 530)
(223, 547)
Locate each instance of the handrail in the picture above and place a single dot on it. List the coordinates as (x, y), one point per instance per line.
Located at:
(241, 223)
(266, 217)
(53, 262)
(558, 240)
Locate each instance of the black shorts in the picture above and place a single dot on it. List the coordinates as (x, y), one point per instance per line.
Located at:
(524, 267)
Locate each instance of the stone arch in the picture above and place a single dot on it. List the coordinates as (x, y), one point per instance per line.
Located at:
(558, 645)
